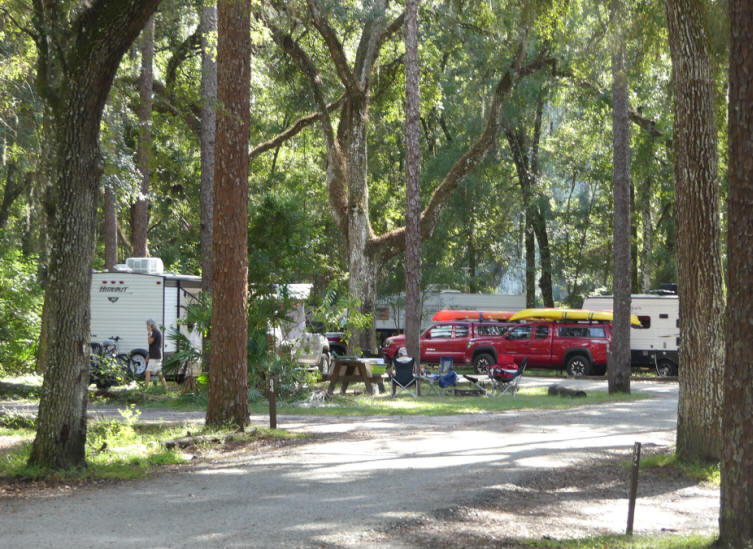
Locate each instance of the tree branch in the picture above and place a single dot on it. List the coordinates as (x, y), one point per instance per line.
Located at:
(292, 130)
(391, 243)
(334, 46)
(335, 162)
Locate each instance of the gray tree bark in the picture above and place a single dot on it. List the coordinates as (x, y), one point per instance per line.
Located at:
(74, 79)
(413, 184)
(208, 126)
(618, 360)
(699, 264)
(735, 525)
(111, 228)
(140, 212)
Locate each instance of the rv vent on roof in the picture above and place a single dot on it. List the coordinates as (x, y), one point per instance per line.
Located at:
(146, 265)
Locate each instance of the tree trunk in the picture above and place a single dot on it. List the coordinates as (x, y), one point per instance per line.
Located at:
(648, 235)
(208, 125)
(530, 249)
(111, 228)
(618, 360)
(228, 377)
(413, 184)
(699, 285)
(735, 526)
(140, 212)
(74, 79)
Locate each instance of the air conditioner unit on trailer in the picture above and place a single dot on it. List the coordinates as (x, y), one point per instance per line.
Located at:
(145, 265)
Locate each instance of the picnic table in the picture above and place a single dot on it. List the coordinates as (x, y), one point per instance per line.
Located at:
(347, 369)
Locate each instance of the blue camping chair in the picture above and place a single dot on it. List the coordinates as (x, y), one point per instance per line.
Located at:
(443, 381)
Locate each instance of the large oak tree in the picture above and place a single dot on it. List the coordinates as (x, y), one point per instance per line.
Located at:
(79, 48)
(699, 263)
(735, 525)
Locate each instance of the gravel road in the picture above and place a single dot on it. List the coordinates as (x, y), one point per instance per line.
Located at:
(356, 480)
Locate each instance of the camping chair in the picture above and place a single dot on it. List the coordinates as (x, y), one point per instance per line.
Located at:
(402, 376)
(504, 380)
(443, 381)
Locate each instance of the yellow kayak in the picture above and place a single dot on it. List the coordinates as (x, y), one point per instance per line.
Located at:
(568, 314)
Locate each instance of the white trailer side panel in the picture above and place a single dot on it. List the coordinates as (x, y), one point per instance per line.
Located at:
(121, 303)
(663, 312)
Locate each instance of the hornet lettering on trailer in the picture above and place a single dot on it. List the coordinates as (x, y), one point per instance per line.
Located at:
(113, 289)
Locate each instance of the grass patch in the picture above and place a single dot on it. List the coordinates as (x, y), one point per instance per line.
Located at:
(625, 542)
(25, 387)
(404, 404)
(154, 396)
(706, 472)
(124, 449)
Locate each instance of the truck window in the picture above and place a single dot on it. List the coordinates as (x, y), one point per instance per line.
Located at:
(573, 331)
(542, 332)
(597, 331)
(461, 330)
(443, 330)
(521, 332)
(490, 330)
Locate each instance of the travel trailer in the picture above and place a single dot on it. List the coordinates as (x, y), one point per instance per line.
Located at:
(122, 300)
(655, 344)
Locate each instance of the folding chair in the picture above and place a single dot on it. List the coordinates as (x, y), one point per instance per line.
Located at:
(403, 378)
(443, 381)
(504, 380)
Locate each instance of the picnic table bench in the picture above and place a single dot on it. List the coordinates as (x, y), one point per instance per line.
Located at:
(348, 369)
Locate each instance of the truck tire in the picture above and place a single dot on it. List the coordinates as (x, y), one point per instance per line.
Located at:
(578, 366)
(666, 368)
(481, 363)
(137, 362)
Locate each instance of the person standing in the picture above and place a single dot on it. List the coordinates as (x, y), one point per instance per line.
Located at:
(154, 362)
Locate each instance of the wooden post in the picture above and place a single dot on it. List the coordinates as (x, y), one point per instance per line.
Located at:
(633, 487)
(272, 404)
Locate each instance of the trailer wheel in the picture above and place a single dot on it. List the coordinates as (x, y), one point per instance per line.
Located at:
(481, 363)
(137, 362)
(666, 368)
(578, 365)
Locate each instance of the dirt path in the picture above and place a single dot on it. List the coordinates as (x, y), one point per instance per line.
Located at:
(471, 480)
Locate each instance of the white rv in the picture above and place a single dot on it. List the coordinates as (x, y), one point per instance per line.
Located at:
(123, 300)
(656, 343)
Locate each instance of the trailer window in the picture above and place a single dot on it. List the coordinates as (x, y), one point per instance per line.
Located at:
(663, 315)
(645, 321)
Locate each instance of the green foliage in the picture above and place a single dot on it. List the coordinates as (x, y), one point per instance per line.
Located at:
(21, 300)
(339, 312)
(12, 420)
(623, 542)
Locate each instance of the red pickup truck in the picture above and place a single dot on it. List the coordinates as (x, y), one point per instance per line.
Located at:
(580, 348)
(446, 339)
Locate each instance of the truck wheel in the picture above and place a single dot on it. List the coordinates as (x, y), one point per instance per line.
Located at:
(666, 368)
(481, 363)
(137, 362)
(578, 365)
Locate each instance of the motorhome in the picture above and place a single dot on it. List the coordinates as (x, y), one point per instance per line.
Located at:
(122, 300)
(655, 344)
